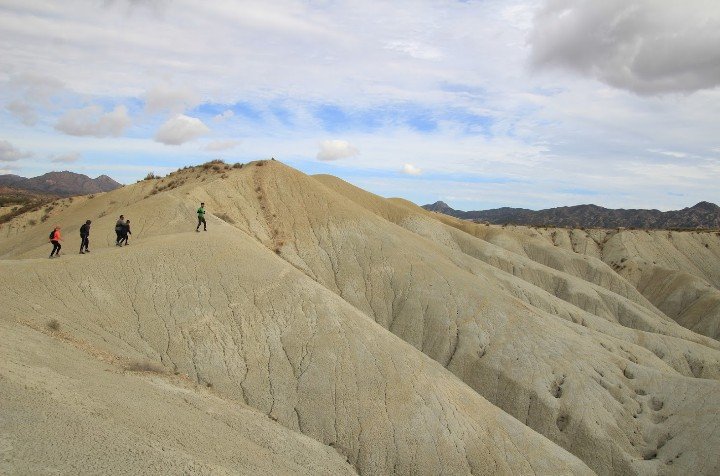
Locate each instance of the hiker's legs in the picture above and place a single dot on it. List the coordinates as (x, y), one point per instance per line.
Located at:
(56, 248)
(119, 236)
(197, 228)
(204, 224)
(84, 243)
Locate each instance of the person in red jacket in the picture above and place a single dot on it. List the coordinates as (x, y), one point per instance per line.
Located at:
(55, 239)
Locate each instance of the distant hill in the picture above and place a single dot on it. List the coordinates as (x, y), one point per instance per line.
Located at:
(701, 215)
(60, 183)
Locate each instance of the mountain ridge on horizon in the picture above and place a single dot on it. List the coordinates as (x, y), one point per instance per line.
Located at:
(63, 183)
(703, 214)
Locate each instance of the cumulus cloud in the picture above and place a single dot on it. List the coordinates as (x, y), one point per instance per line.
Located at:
(222, 145)
(168, 98)
(66, 158)
(8, 152)
(181, 129)
(336, 149)
(644, 46)
(410, 169)
(92, 121)
(23, 111)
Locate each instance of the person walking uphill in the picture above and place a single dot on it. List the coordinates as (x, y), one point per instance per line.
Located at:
(119, 227)
(85, 237)
(201, 217)
(55, 239)
(124, 234)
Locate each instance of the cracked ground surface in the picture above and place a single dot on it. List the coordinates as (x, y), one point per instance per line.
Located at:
(394, 341)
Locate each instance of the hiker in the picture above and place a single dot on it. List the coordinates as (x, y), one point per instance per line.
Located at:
(55, 239)
(85, 237)
(201, 217)
(125, 232)
(119, 226)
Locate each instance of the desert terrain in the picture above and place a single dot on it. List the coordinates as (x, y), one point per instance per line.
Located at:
(316, 328)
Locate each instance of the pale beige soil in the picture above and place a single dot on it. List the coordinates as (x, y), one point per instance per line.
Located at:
(349, 327)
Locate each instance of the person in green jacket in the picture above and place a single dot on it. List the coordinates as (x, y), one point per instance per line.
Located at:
(201, 218)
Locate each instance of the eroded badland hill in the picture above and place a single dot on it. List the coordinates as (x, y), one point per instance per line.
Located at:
(316, 328)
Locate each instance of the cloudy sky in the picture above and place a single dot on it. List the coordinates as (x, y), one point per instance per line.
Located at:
(480, 103)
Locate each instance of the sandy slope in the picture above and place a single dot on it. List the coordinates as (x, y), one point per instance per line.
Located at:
(286, 306)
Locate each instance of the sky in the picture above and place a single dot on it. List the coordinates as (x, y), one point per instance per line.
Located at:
(478, 103)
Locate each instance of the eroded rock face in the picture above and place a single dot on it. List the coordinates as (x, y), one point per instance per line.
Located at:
(408, 343)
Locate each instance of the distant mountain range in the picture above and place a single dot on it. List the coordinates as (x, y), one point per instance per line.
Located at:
(60, 183)
(701, 215)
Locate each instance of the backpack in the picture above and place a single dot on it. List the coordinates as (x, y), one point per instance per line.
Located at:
(52, 234)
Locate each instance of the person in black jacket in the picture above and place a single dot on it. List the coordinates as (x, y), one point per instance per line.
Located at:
(124, 233)
(85, 237)
(119, 226)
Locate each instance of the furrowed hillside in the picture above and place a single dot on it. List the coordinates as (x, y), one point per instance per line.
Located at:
(369, 334)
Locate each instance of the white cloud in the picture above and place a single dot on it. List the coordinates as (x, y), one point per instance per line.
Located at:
(66, 158)
(410, 169)
(222, 145)
(8, 152)
(168, 98)
(669, 153)
(643, 46)
(414, 49)
(92, 121)
(23, 111)
(181, 129)
(336, 149)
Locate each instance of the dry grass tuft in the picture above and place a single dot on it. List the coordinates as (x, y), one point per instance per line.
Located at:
(53, 325)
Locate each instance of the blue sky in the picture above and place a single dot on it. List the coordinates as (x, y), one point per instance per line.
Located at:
(481, 104)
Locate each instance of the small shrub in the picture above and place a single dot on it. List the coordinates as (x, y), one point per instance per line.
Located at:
(144, 366)
(237, 165)
(216, 168)
(91, 196)
(224, 176)
(707, 246)
(53, 325)
(32, 222)
(208, 384)
(102, 214)
(150, 176)
(49, 209)
(44, 218)
(260, 163)
(227, 167)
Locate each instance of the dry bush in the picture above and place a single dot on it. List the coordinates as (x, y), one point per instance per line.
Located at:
(237, 165)
(44, 218)
(260, 163)
(217, 168)
(91, 196)
(32, 222)
(224, 176)
(144, 366)
(53, 325)
(151, 176)
(102, 214)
